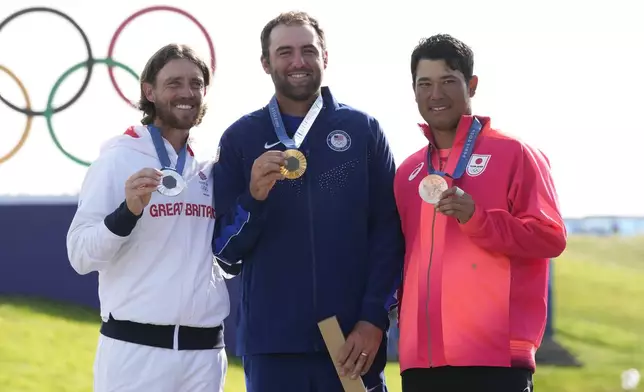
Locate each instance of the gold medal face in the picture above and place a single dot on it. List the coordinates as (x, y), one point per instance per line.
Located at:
(295, 164)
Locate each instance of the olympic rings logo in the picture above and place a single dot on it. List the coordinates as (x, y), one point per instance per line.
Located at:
(109, 61)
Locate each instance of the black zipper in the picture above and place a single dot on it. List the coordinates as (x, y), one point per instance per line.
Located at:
(312, 238)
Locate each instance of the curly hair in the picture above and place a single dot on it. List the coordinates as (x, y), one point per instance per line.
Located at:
(162, 57)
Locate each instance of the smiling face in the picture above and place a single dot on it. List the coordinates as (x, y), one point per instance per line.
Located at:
(177, 94)
(296, 61)
(442, 94)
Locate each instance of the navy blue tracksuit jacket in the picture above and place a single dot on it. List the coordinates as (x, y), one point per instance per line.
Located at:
(328, 243)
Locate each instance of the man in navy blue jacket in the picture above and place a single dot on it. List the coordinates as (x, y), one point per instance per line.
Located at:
(306, 213)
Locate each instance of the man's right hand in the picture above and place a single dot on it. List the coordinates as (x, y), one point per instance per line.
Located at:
(265, 173)
(139, 188)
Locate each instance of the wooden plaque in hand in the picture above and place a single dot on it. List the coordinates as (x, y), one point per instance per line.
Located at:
(334, 339)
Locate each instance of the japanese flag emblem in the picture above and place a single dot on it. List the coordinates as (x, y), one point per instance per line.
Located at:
(477, 164)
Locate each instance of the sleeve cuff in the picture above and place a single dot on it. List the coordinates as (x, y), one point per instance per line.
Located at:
(250, 204)
(122, 221)
(475, 224)
(230, 269)
(376, 315)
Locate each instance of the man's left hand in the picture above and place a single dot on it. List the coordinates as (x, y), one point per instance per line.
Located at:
(357, 354)
(454, 202)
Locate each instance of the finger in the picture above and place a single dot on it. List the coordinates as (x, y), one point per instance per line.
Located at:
(267, 182)
(269, 167)
(274, 153)
(350, 364)
(360, 365)
(278, 158)
(443, 201)
(275, 176)
(145, 191)
(449, 208)
(145, 181)
(370, 358)
(148, 172)
(267, 185)
(450, 201)
(449, 192)
(344, 352)
(144, 173)
(464, 200)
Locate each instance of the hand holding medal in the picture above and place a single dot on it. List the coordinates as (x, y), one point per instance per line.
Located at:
(454, 202)
(266, 171)
(295, 164)
(433, 188)
(139, 188)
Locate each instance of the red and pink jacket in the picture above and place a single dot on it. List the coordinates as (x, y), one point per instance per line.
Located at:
(475, 294)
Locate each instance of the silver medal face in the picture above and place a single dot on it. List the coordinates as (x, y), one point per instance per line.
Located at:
(431, 188)
(172, 183)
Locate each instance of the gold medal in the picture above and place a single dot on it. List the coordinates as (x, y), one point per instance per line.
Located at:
(431, 188)
(295, 164)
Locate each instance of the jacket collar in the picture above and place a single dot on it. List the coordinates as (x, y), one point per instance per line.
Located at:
(461, 130)
(329, 101)
(328, 98)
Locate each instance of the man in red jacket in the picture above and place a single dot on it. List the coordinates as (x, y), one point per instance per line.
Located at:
(481, 220)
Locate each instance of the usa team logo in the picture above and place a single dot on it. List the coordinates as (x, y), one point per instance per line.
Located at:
(338, 141)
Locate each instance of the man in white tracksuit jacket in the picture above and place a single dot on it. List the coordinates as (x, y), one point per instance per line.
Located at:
(145, 222)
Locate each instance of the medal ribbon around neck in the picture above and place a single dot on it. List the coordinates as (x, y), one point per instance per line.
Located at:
(295, 160)
(166, 168)
(466, 153)
(433, 185)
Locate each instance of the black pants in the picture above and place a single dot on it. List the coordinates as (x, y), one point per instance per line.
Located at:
(467, 379)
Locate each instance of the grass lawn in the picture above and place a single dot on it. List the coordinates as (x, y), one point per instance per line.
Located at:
(49, 347)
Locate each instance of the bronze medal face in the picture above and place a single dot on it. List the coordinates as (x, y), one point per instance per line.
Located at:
(431, 188)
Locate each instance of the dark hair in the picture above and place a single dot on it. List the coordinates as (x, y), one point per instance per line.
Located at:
(292, 18)
(162, 57)
(457, 55)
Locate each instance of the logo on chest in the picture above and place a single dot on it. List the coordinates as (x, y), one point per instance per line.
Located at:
(203, 183)
(338, 141)
(477, 164)
(416, 170)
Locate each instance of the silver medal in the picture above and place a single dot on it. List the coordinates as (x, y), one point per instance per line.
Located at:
(172, 183)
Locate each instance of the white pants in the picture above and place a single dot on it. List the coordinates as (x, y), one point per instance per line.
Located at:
(127, 367)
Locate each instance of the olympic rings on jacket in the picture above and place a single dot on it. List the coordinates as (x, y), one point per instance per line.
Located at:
(109, 61)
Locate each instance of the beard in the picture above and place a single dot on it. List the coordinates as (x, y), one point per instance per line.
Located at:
(300, 92)
(172, 117)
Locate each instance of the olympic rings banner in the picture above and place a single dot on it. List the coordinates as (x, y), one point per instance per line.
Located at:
(47, 110)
